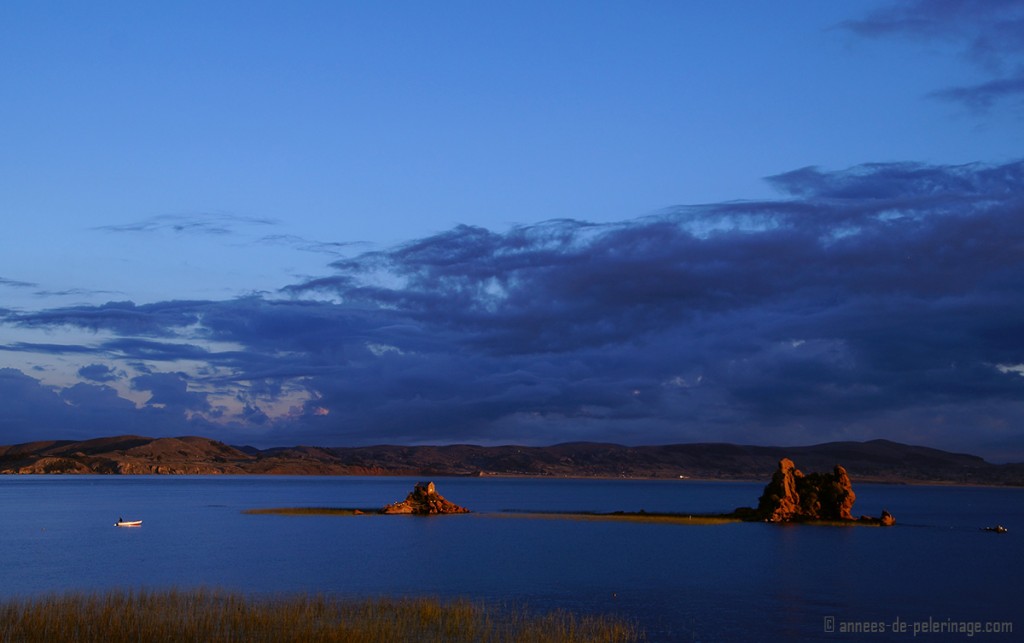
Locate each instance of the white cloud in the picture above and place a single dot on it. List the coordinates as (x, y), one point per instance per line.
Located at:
(1011, 368)
(383, 349)
(681, 382)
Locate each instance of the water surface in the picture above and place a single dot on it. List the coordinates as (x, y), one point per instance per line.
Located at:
(734, 581)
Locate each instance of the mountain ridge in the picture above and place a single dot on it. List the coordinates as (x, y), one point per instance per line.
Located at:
(874, 460)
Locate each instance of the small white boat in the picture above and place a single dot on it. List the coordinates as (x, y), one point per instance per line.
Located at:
(128, 523)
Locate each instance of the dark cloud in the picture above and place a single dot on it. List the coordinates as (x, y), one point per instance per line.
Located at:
(990, 34)
(30, 411)
(879, 301)
(141, 349)
(206, 223)
(99, 373)
(984, 95)
(881, 288)
(170, 391)
(989, 31)
(97, 399)
(47, 349)
(75, 292)
(904, 185)
(14, 283)
(253, 415)
(33, 411)
(122, 317)
(310, 245)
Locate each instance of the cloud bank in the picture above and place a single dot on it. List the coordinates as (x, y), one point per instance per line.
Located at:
(879, 301)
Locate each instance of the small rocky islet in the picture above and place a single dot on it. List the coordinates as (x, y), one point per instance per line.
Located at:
(791, 496)
(424, 500)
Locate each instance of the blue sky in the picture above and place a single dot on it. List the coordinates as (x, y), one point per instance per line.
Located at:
(345, 223)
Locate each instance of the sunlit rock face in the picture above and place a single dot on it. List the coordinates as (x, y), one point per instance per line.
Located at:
(424, 500)
(791, 495)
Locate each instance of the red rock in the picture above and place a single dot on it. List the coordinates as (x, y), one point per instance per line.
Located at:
(424, 500)
(780, 501)
(791, 495)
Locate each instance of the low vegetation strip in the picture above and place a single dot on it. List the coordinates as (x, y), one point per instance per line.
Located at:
(620, 516)
(309, 511)
(209, 615)
(642, 516)
(626, 516)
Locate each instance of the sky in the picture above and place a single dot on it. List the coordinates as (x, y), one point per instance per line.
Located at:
(346, 223)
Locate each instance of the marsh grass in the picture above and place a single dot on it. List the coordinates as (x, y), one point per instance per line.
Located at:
(621, 516)
(310, 511)
(211, 615)
(676, 519)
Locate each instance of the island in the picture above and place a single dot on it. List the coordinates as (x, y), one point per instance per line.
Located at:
(792, 496)
(423, 500)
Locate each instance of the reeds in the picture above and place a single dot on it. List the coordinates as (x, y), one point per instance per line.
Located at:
(212, 615)
(622, 516)
(309, 511)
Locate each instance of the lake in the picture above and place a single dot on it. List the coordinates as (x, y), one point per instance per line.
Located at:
(732, 582)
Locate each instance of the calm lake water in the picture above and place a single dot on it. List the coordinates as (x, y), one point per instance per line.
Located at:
(737, 581)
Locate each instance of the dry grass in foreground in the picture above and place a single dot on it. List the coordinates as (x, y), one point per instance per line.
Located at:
(207, 615)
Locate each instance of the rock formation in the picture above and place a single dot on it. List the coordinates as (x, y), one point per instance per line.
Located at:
(424, 500)
(793, 496)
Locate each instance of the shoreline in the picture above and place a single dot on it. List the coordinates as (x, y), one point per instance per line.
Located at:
(868, 480)
(875, 461)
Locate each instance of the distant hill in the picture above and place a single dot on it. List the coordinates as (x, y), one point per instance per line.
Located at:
(877, 460)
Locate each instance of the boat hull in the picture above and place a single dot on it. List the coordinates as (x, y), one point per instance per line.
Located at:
(128, 523)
